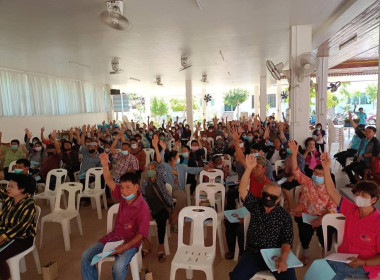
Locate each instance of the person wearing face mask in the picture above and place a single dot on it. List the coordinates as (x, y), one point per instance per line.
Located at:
(311, 155)
(206, 144)
(219, 147)
(11, 153)
(160, 203)
(314, 200)
(126, 162)
(361, 230)
(320, 138)
(188, 158)
(70, 159)
(218, 163)
(211, 132)
(36, 151)
(266, 209)
(139, 154)
(185, 136)
(131, 225)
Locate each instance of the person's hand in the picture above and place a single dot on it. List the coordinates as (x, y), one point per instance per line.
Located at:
(317, 222)
(27, 132)
(281, 265)
(293, 147)
(163, 144)
(71, 131)
(251, 162)
(281, 126)
(359, 158)
(119, 249)
(104, 159)
(355, 262)
(53, 134)
(235, 135)
(326, 161)
(42, 129)
(84, 128)
(155, 141)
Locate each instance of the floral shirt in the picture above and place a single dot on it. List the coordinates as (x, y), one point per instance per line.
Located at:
(313, 200)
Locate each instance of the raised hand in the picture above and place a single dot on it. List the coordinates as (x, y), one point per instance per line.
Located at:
(326, 161)
(53, 134)
(235, 134)
(104, 160)
(251, 161)
(42, 129)
(27, 132)
(163, 144)
(155, 141)
(293, 147)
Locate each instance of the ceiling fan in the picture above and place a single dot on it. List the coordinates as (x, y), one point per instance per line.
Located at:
(114, 16)
(184, 64)
(333, 87)
(158, 81)
(204, 78)
(115, 66)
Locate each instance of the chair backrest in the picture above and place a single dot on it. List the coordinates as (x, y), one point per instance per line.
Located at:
(149, 154)
(4, 184)
(211, 141)
(211, 189)
(277, 164)
(169, 188)
(212, 175)
(205, 156)
(60, 176)
(111, 212)
(72, 188)
(297, 193)
(336, 220)
(97, 172)
(11, 166)
(198, 215)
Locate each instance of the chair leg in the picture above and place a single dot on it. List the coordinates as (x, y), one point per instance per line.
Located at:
(135, 268)
(221, 240)
(78, 202)
(104, 201)
(236, 256)
(189, 274)
(173, 271)
(209, 273)
(66, 234)
(22, 265)
(14, 268)
(80, 224)
(93, 205)
(298, 248)
(98, 207)
(99, 266)
(52, 203)
(166, 245)
(37, 260)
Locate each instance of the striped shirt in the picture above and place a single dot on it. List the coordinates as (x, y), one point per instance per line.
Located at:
(125, 164)
(17, 221)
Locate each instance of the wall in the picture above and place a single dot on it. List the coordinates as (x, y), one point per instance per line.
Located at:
(13, 127)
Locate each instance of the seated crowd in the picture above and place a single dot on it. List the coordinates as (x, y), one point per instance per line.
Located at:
(247, 150)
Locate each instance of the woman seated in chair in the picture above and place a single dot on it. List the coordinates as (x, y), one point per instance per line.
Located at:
(132, 225)
(362, 228)
(161, 205)
(17, 225)
(311, 155)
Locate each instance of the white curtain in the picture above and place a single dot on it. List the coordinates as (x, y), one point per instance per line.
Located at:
(25, 94)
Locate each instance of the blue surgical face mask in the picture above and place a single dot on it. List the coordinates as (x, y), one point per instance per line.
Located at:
(249, 138)
(18, 171)
(125, 153)
(318, 180)
(178, 160)
(128, 197)
(185, 155)
(288, 151)
(14, 147)
(219, 166)
(255, 154)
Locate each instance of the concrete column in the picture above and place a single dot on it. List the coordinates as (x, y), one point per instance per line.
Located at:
(263, 97)
(257, 99)
(299, 95)
(279, 100)
(110, 114)
(378, 95)
(189, 103)
(321, 99)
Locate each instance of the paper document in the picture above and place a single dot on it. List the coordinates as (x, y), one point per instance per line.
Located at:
(340, 257)
(108, 249)
(234, 216)
(307, 218)
(282, 180)
(318, 270)
(270, 257)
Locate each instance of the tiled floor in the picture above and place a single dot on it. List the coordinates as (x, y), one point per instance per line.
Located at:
(93, 229)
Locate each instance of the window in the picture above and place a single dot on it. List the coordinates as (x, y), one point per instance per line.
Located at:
(212, 102)
(229, 108)
(271, 100)
(120, 103)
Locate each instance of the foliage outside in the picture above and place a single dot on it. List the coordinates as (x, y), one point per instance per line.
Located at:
(158, 108)
(371, 92)
(235, 97)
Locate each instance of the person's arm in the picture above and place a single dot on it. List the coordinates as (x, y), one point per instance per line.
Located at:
(330, 187)
(281, 129)
(114, 143)
(239, 153)
(156, 150)
(42, 135)
(104, 160)
(354, 124)
(354, 109)
(83, 143)
(250, 165)
(56, 143)
(127, 245)
(294, 150)
(281, 261)
(355, 262)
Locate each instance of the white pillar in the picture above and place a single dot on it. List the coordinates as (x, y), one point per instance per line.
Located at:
(321, 96)
(378, 95)
(110, 114)
(257, 99)
(299, 95)
(279, 100)
(263, 97)
(189, 103)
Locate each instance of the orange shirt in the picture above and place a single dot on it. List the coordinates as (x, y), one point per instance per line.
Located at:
(256, 188)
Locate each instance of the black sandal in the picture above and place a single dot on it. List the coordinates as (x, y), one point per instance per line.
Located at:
(161, 257)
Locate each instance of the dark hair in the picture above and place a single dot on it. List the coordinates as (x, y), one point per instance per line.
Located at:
(50, 146)
(87, 138)
(130, 177)
(186, 146)
(257, 146)
(15, 140)
(36, 138)
(23, 161)
(169, 155)
(38, 143)
(133, 139)
(308, 140)
(318, 124)
(194, 141)
(216, 158)
(371, 127)
(125, 144)
(25, 182)
(366, 186)
(319, 167)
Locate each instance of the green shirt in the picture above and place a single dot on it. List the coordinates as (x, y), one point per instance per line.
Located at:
(10, 155)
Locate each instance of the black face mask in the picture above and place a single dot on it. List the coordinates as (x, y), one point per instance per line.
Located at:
(50, 153)
(91, 151)
(268, 202)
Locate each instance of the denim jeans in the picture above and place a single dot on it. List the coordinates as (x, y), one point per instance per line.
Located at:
(249, 264)
(343, 270)
(119, 268)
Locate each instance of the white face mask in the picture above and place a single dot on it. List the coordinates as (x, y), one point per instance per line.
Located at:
(134, 146)
(38, 149)
(241, 145)
(362, 202)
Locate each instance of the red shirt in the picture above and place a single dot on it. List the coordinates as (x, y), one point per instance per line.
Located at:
(131, 219)
(256, 188)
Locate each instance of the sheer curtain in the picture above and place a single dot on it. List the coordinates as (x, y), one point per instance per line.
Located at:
(25, 94)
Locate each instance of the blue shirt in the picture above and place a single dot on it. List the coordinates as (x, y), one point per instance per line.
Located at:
(362, 117)
(362, 151)
(355, 144)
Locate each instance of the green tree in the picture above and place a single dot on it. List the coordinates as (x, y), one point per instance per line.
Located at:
(371, 92)
(344, 91)
(332, 100)
(179, 105)
(158, 108)
(235, 97)
(313, 94)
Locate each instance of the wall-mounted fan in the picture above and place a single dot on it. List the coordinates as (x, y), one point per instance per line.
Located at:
(114, 16)
(158, 81)
(184, 64)
(275, 70)
(333, 87)
(207, 98)
(306, 64)
(204, 78)
(284, 95)
(115, 66)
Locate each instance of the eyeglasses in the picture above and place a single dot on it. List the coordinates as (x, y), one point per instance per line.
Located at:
(271, 196)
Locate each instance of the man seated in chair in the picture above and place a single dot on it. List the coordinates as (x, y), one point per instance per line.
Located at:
(132, 225)
(266, 216)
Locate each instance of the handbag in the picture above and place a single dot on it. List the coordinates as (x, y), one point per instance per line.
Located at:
(172, 217)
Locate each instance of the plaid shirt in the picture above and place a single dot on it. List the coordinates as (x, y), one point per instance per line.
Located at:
(125, 164)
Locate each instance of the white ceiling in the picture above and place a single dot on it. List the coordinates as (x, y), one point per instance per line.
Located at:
(43, 36)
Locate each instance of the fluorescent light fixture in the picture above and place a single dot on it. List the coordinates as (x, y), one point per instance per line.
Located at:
(349, 41)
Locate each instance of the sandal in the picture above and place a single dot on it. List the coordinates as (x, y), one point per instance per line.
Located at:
(144, 252)
(161, 257)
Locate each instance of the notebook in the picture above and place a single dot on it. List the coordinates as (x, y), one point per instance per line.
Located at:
(270, 257)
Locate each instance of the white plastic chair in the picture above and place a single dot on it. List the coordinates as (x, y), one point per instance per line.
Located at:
(338, 221)
(17, 264)
(4, 183)
(136, 262)
(212, 175)
(149, 155)
(50, 195)
(96, 192)
(277, 164)
(11, 166)
(211, 141)
(197, 255)
(204, 149)
(211, 190)
(64, 216)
